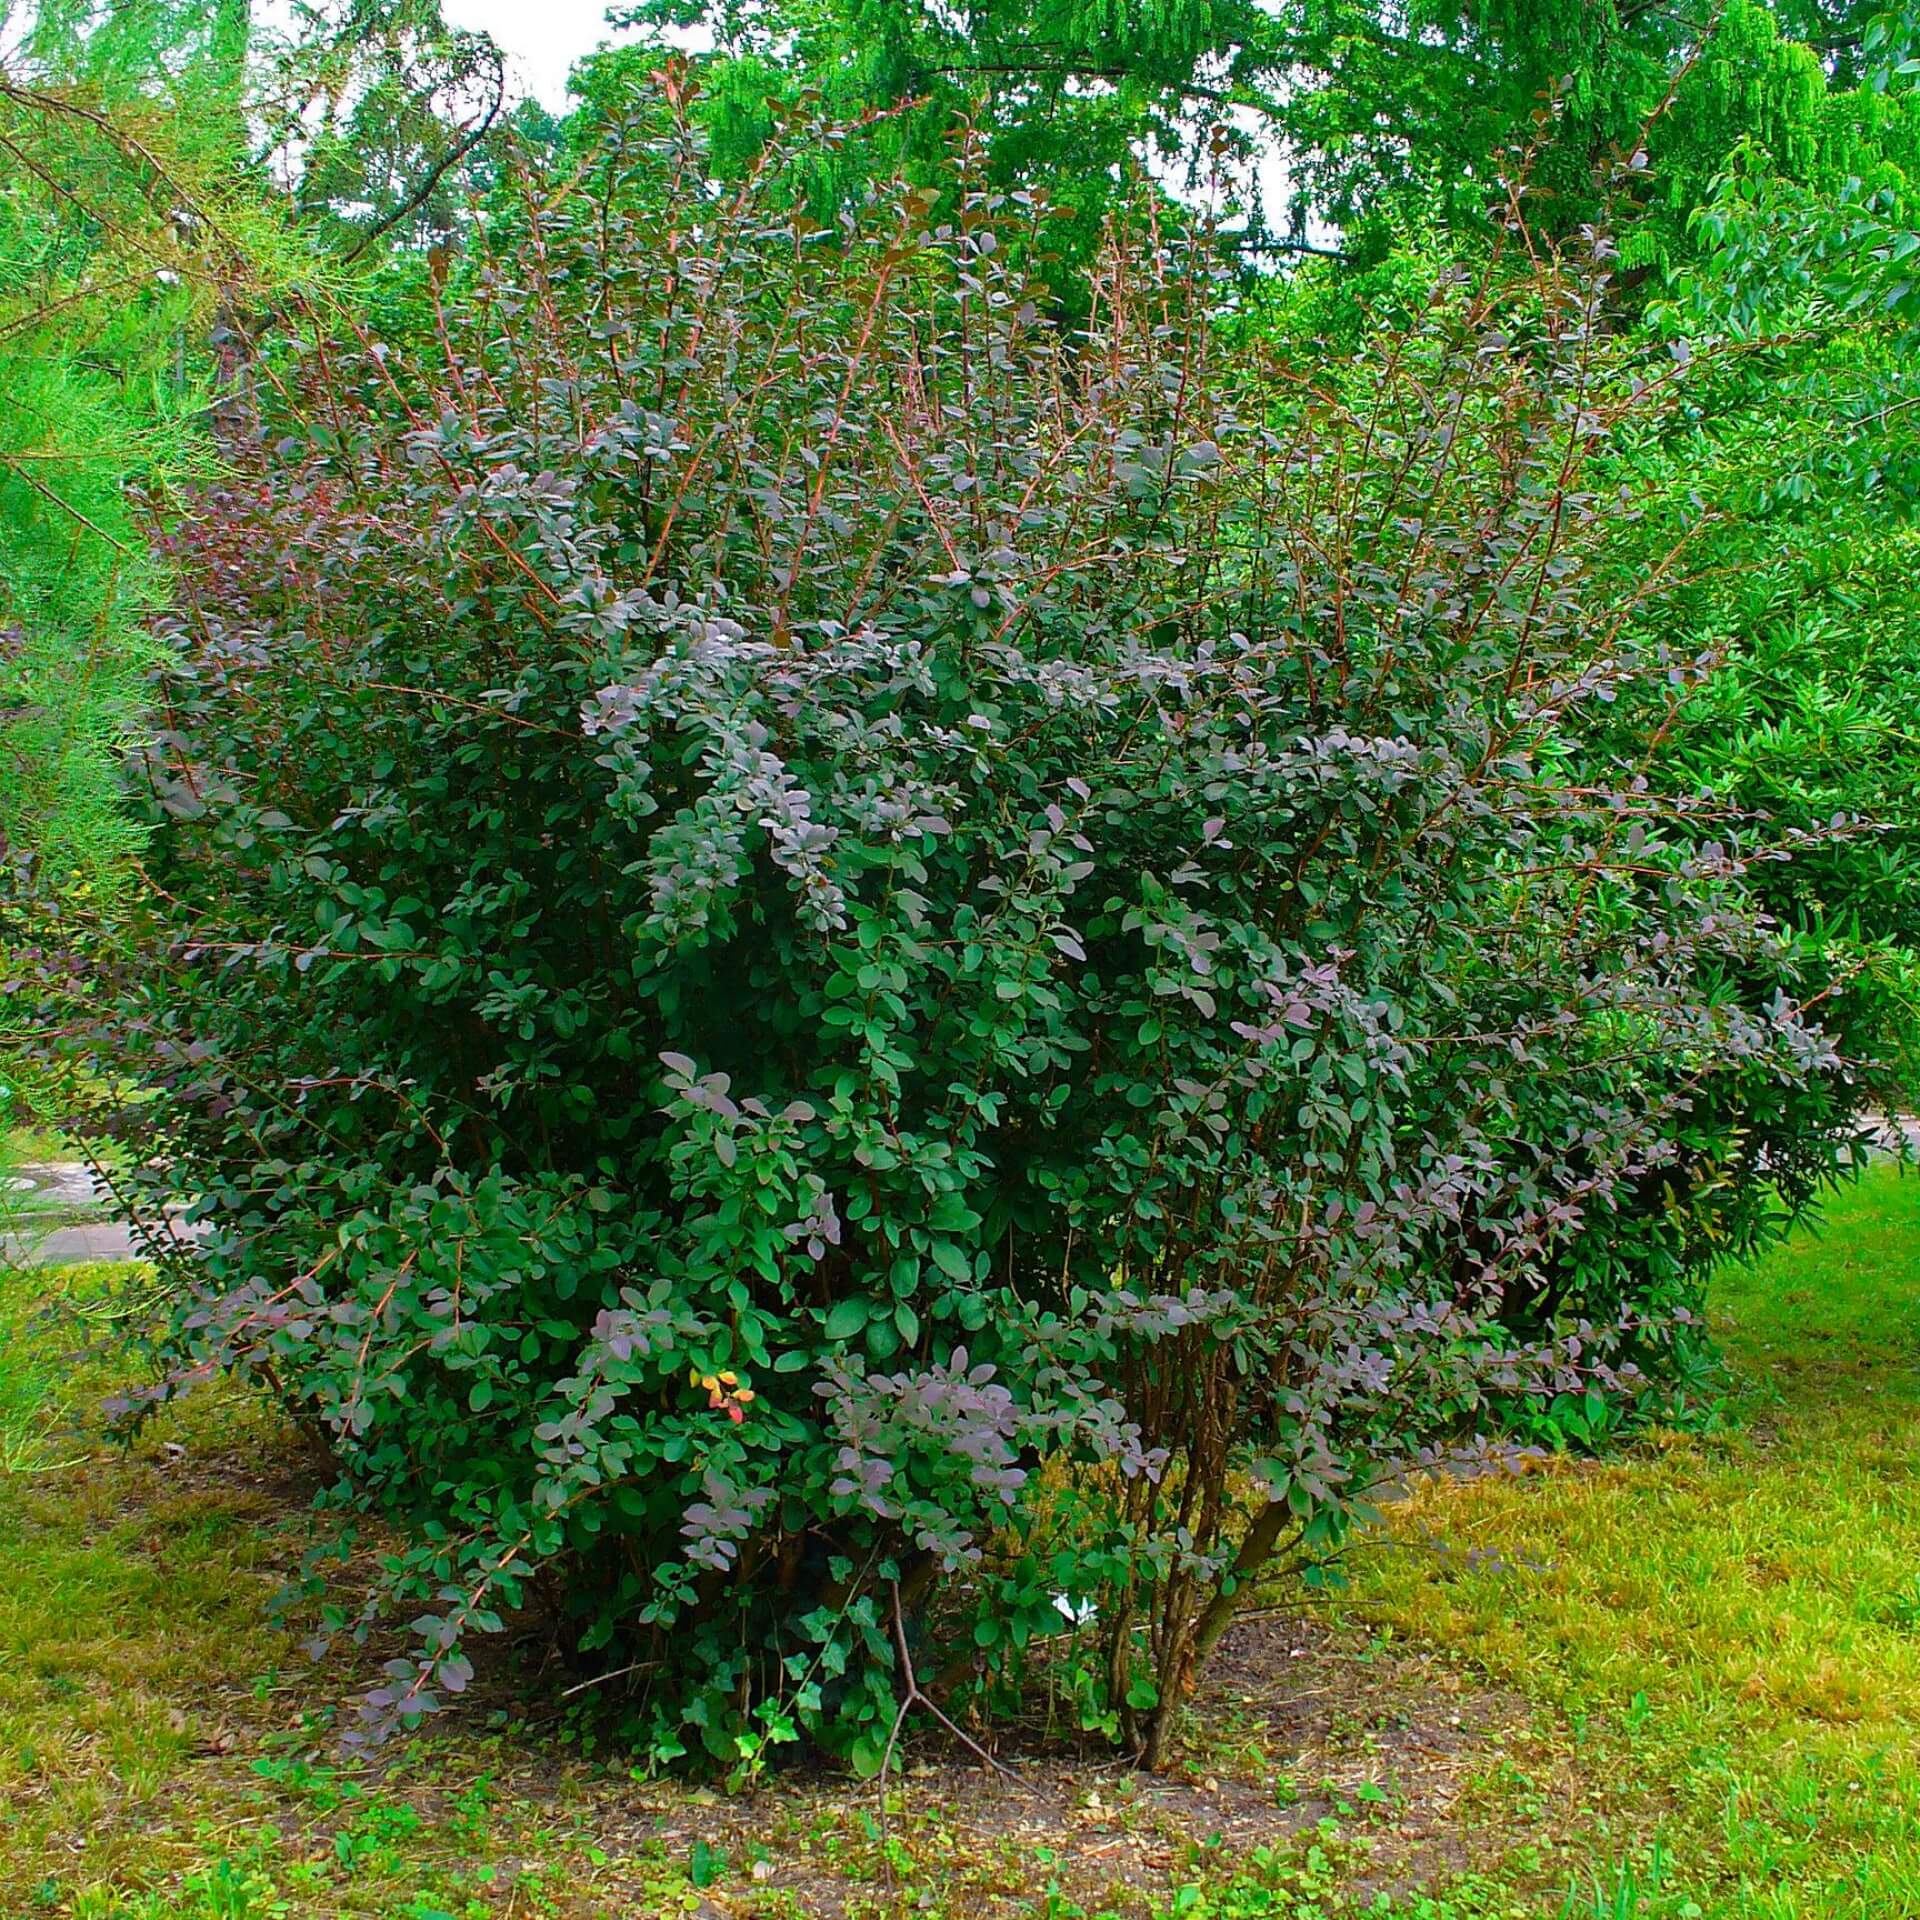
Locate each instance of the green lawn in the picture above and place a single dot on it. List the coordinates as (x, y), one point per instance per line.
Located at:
(1686, 1683)
(1724, 1634)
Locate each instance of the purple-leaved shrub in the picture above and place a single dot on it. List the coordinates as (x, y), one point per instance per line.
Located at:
(855, 979)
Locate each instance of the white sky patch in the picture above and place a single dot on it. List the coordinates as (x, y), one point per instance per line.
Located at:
(541, 38)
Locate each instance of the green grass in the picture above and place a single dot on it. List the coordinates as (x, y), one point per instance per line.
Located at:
(150, 1753)
(1686, 1686)
(49, 1387)
(1722, 1636)
(24, 1146)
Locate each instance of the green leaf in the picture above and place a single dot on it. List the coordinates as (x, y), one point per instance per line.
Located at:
(705, 1865)
(952, 1261)
(847, 1318)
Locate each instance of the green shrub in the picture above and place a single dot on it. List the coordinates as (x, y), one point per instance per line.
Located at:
(884, 994)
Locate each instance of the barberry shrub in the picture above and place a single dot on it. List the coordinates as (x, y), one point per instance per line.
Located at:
(880, 996)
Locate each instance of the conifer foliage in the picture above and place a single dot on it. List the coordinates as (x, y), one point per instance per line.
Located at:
(114, 245)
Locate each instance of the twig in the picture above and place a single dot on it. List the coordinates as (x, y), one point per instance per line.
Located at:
(451, 158)
(1254, 243)
(601, 1679)
(909, 1700)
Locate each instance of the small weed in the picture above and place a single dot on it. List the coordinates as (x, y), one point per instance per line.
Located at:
(1633, 1892)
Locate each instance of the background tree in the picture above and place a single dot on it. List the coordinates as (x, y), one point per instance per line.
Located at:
(123, 226)
(144, 152)
(383, 111)
(1386, 116)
